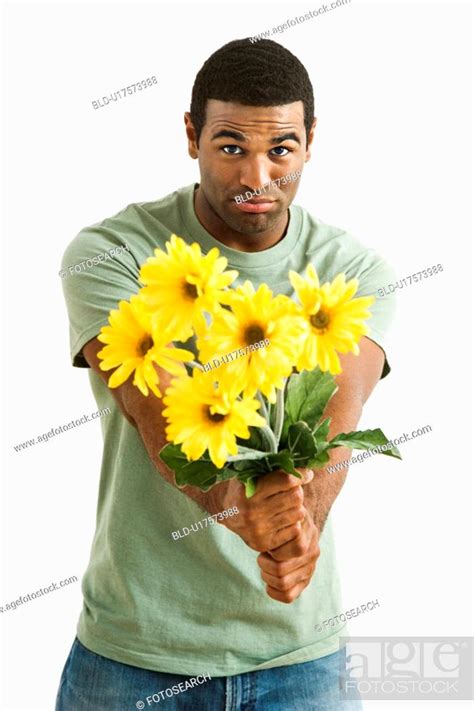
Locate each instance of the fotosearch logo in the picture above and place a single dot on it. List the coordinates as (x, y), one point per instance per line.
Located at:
(171, 691)
(415, 668)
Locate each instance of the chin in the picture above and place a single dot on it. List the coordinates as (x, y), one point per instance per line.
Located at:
(252, 228)
(252, 224)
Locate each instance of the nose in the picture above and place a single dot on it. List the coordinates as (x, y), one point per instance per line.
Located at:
(255, 173)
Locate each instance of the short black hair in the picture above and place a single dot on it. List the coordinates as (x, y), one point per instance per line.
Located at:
(253, 74)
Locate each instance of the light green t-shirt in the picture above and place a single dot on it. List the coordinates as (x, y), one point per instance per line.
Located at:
(197, 603)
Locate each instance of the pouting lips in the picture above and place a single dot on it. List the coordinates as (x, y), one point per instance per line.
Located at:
(256, 205)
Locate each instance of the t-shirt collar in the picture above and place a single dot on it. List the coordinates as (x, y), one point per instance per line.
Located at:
(235, 257)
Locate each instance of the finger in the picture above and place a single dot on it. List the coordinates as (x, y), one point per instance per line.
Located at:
(286, 518)
(307, 543)
(278, 539)
(283, 501)
(278, 480)
(267, 528)
(266, 518)
(284, 567)
(287, 582)
(286, 596)
(307, 475)
(293, 548)
(269, 565)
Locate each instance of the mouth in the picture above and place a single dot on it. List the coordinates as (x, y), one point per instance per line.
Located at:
(256, 205)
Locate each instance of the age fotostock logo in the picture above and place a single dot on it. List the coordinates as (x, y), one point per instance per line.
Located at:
(402, 668)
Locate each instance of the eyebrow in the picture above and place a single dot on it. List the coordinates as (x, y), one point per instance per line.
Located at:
(237, 136)
(286, 137)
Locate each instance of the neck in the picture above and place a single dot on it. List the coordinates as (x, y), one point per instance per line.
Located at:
(213, 224)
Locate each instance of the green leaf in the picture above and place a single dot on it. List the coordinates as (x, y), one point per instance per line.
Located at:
(250, 483)
(319, 460)
(247, 453)
(173, 456)
(365, 439)
(202, 473)
(301, 443)
(250, 487)
(253, 466)
(283, 460)
(307, 395)
(255, 441)
(227, 473)
(256, 466)
(321, 431)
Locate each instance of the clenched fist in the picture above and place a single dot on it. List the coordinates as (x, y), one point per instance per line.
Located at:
(288, 570)
(272, 518)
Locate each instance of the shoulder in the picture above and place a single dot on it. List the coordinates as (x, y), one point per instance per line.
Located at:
(334, 249)
(139, 227)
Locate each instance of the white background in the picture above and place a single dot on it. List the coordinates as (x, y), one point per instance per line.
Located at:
(391, 163)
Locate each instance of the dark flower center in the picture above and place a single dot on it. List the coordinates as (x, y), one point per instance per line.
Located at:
(213, 417)
(253, 334)
(145, 345)
(320, 320)
(190, 290)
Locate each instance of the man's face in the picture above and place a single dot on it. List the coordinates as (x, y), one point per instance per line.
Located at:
(244, 148)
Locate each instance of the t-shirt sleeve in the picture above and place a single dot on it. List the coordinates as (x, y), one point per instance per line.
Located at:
(98, 271)
(375, 273)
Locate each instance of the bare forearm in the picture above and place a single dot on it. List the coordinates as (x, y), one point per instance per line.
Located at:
(359, 376)
(146, 415)
(321, 493)
(152, 432)
(209, 501)
(355, 384)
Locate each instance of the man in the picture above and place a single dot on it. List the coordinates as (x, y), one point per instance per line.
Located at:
(238, 602)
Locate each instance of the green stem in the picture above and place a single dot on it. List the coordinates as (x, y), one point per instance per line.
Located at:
(269, 469)
(279, 412)
(271, 414)
(263, 407)
(270, 438)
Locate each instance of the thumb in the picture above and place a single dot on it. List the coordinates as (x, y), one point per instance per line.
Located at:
(307, 475)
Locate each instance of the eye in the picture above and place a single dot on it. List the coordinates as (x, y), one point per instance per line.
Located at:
(232, 150)
(281, 148)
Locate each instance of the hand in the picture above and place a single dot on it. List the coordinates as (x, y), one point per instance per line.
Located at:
(286, 577)
(272, 517)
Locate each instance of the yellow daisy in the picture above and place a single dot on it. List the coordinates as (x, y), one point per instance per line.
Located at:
(134, 344)
(335, 320)
(182, 283)
(203, 414)
(253, 317)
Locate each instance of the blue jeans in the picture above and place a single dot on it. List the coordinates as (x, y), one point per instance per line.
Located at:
(90, 682)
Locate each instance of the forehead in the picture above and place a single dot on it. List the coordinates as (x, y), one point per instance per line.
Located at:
(260, 120)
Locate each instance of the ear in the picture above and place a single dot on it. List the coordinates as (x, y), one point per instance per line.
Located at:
(193, 148)
(310, 139)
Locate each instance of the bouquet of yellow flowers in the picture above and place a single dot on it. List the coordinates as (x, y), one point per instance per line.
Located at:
(255, 400)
